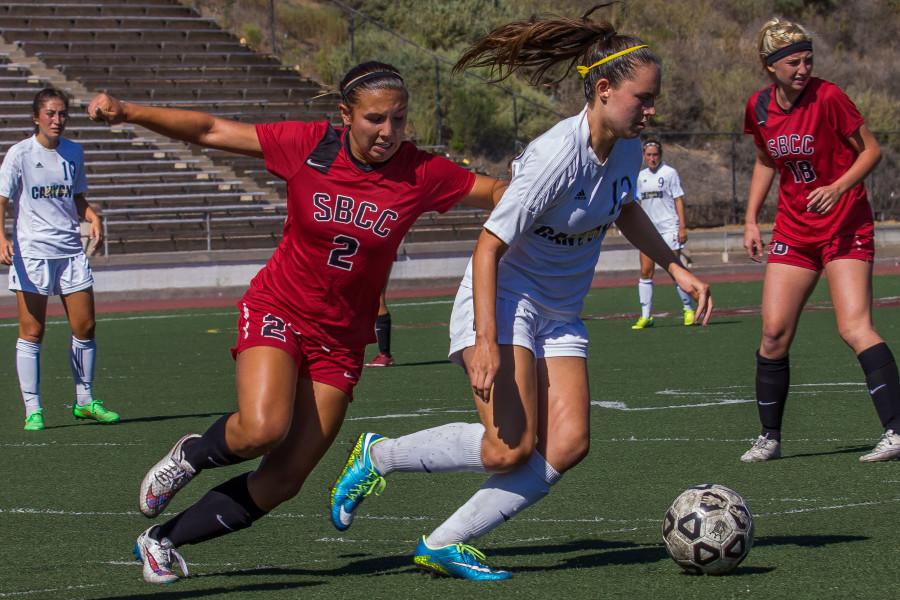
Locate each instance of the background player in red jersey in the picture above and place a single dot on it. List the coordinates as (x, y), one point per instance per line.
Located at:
(353, 192)
(809, 132)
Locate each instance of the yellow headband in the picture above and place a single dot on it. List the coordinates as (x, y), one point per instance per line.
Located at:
(583, 71)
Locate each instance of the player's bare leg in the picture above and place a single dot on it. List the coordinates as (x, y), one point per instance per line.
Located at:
(850, 284)
(786, 289)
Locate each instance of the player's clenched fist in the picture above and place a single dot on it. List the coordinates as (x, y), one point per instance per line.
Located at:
(107, 108)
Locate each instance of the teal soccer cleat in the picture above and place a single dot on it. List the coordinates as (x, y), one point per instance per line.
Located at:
(456, 560)
(357, 480)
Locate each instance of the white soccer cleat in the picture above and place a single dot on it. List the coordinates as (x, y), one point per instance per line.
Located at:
(888, 447)
(158, 558)
(763, 449)
(165, 478)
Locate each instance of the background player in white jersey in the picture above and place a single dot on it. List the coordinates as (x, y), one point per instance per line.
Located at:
(662, 198)
(515, 325)
(43, 176)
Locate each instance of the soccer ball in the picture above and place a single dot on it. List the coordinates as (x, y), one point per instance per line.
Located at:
(708, 529)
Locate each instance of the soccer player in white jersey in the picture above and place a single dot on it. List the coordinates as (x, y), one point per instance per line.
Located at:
(44, 179)
(515, 325)
(660, 194)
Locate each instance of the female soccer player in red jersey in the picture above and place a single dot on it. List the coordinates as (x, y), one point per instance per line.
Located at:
(516, 325)
(353, 192)
(809, 132)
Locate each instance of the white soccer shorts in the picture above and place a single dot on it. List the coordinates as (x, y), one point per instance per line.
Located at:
(517, 324)
(671, 238)
(50, 276)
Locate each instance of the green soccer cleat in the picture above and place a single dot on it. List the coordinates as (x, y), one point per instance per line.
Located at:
(34, 421)
(689, 316)
(456, 560)
(95, 412)
(643, 323)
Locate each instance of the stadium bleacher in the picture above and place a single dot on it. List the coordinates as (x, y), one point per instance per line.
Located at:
(165, 53)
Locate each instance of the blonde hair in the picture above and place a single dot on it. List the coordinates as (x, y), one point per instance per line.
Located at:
(778, 33)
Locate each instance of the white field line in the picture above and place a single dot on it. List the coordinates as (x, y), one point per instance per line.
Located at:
(102, 319)
(422, 412)
(65, 445)
(106, 319)
(49, 590)
(416, 518)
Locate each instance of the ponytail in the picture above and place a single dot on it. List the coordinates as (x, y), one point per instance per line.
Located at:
(539, 44)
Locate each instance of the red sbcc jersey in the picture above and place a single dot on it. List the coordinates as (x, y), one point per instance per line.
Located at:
(808, 144)
(344, 225)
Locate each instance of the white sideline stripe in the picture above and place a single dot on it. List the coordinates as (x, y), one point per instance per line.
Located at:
(102, 319)
(615, 405)
(729, 441)
(65, 513)
(66, 445)
(426, 303)
(424, 412)
(596, 519)
(45, 591)
(795, 511)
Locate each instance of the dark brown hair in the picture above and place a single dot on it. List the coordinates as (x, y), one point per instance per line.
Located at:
(539, 44)
(45, 95)
(372, 75)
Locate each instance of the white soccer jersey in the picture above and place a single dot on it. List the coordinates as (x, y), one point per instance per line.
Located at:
(42, 183)
(657, 192)
(554, 216)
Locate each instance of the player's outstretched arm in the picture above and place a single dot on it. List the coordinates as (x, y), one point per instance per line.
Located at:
(485, 193)
(185, 125)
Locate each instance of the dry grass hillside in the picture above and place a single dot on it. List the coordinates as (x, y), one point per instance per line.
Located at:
(710, 69)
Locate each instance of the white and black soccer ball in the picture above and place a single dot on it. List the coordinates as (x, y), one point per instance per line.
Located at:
(708, 529)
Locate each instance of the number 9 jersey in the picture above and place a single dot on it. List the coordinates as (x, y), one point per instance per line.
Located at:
(345, 222)
(808, 144)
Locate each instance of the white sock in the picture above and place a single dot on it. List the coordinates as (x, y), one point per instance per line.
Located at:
(686, 299)
(450, 447)
(500, 498)
(28, 366)
(82, 355)
(645, 294)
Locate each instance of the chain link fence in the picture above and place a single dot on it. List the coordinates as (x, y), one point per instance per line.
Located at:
(466, 114)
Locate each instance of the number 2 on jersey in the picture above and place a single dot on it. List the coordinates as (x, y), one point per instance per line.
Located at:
(346, 248)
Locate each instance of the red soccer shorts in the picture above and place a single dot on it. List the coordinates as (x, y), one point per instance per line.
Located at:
(815, 255)
(260, 326)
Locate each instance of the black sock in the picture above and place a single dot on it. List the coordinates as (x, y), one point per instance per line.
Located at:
(223, 510)
(773, 377)
(383, 333)
(210, 450)
(883, 383)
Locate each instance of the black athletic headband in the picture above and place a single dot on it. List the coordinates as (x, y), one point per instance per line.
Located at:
(801, 46)
(369, 77)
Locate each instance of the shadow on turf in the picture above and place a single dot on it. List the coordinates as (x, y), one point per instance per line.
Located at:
(807, 541)
(626, 553)
(423, 363)
(848, 450)
(217, 591)
(137, 420)
(379, 565)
